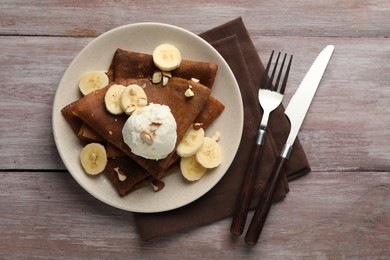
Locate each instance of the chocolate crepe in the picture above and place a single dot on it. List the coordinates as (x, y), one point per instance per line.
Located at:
(142, 66)
(220, 202)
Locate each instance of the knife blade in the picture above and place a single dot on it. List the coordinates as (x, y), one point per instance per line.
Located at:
(296, 111)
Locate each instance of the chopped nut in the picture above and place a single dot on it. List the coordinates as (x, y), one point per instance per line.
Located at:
(157, 185)
(110, 132)
(156, 78)
(165, 80)
(146, 137)
(195, 80)
(167, 74)
(156, 123)
(121, 175)
(189, 93)
(154, 126)
(197, 126)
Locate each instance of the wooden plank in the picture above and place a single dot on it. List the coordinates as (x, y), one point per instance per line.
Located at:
(30, 72)
(297, 18)
(345, 129)
(325, 215)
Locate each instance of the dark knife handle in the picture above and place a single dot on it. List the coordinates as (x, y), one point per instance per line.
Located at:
(261, 212)
(248, 184)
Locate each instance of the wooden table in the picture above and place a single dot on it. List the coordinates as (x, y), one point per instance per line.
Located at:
(341, 210)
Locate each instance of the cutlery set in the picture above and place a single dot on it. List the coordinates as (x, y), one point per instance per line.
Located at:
(270, 96)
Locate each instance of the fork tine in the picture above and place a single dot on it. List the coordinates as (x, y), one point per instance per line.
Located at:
(279, 74)
(269, 83)
(269, 62)
(266, 82)
(286, 76)
(264, 78)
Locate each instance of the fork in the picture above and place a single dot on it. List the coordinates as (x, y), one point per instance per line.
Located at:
(269, 98)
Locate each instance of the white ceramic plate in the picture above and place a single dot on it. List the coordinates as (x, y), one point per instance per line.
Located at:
(144, 37)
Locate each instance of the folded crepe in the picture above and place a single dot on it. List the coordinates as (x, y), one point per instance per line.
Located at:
(128, 64)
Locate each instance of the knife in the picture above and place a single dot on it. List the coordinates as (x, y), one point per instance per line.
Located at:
(296, 112)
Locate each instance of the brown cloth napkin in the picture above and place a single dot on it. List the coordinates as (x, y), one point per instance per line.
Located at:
(233, 42)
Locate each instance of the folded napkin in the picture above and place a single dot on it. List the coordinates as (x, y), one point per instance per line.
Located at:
(219, 202)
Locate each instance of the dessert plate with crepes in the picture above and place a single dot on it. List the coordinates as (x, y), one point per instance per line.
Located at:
(124, 54)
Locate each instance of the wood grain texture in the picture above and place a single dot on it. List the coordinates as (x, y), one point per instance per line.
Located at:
(339, 211)
(30, 72)
(326, 215)
(295, 18)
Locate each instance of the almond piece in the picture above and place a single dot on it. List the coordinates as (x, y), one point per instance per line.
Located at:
(157, 185)
(197, 126)
(157, 77)
(146, 137)
(154, 126)
(189, 93)
(167, 74)
(121, 175)
(165, 80)
(195, 80)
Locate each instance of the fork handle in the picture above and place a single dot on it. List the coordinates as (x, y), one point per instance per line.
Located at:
(248, 184)
(261, 212)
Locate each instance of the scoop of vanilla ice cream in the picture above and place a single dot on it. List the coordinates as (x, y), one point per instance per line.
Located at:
(150, 132)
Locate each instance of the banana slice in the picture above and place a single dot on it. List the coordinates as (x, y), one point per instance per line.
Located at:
(112, 99)
(166, 57)
(191, 169)
(133, 98)
(93, 158)
(92, 80)
(191, 142)
(210, 154)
